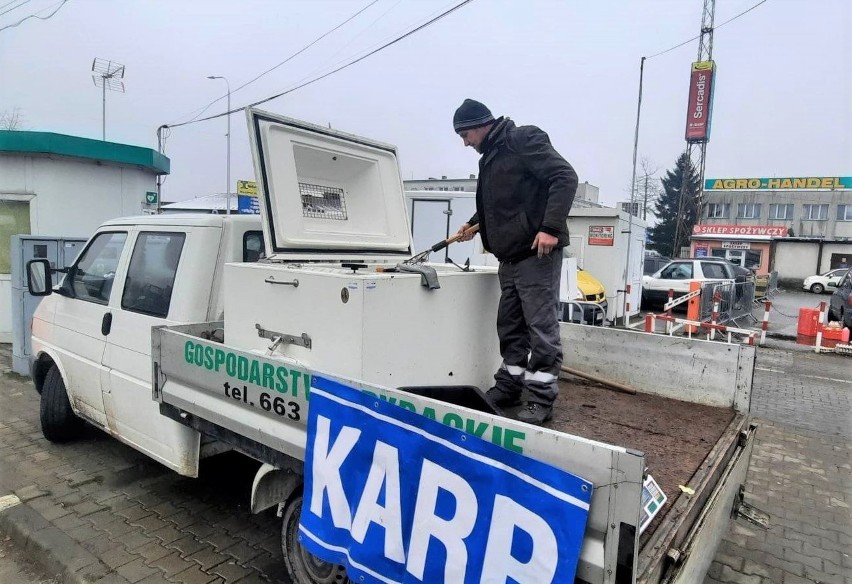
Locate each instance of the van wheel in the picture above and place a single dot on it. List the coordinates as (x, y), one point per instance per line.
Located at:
(302, 566)
(59, 423)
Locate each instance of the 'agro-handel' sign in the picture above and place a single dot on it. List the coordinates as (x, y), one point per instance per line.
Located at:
(802, 182)
(396, 497)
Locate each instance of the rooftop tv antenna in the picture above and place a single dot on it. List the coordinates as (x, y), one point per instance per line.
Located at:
(107, 75)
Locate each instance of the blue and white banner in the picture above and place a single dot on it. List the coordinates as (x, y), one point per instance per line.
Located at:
(397, 497)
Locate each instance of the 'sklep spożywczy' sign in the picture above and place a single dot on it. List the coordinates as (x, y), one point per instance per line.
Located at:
(746, 230)
(397, 497)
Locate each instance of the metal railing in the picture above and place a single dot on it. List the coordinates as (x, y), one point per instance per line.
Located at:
(569, 310)
(723, 302)
(766, 286)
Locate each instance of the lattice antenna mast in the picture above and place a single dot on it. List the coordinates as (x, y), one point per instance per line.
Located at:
(107, 75)
(696, 150)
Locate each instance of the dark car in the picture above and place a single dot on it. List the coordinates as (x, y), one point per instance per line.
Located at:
(654, 263)
(741, 274)
(840, 307)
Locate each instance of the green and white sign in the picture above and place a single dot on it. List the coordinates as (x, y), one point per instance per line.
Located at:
(151, 198)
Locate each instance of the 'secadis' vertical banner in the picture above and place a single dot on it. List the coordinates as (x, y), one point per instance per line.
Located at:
(397, 497)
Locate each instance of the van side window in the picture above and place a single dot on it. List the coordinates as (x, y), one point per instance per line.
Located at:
(252, 246)
(151, 275)
(92, 276)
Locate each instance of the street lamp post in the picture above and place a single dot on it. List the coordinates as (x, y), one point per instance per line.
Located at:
(228, 203)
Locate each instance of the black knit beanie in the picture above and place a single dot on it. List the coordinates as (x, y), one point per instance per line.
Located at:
(471, 114)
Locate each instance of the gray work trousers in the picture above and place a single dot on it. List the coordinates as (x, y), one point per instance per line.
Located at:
(528, 328)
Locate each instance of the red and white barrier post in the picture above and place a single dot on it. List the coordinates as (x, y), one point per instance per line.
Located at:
(626, 305)
(767, 305)
(714, 316)
(669, 312)
(820, 323)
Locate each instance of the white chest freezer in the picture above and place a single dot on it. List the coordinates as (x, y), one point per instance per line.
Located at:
(334, 212)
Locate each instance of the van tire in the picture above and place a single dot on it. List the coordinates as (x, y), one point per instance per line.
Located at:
(59, 423)
(302, 566)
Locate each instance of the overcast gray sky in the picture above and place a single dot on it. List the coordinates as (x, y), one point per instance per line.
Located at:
(783, 98)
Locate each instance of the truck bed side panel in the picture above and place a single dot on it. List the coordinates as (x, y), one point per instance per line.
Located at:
(187, 378)
(704, 372)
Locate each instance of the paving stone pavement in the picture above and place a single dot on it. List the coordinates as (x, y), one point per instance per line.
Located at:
(800, 473)
(128, 518)
(131, 520)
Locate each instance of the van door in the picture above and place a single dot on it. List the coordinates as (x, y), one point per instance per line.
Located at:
(81, 315)
(151, 294)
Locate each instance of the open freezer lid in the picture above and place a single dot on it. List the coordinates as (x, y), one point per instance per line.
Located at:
(325, 194)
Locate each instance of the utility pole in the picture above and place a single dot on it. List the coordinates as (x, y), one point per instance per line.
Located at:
(228, 167)
(696, 148)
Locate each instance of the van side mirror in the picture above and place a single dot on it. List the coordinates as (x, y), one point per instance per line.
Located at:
(39, 278)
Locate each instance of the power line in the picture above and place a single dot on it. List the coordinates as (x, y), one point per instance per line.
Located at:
(13, 7)
(291, 57)
(60, 5)
(333, 71)
(332, 64)
(714, 28)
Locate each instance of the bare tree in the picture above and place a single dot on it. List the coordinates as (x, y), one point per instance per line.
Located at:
(11, 120)
(648, 185)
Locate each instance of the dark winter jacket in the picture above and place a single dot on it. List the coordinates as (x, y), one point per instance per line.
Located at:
(524, 187)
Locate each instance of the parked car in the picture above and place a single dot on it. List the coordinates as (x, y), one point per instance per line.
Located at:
(677, 275)
(741, 273)
(840, 306)
(653, 263)
(592, 292)
(824, 282)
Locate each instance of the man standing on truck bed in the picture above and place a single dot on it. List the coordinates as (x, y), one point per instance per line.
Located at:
(523, 196)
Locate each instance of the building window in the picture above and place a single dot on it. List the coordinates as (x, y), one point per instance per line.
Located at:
(748, 211)
(718, 210)
(14, 220)
(844, 212)
(814, 212)
(780, 211)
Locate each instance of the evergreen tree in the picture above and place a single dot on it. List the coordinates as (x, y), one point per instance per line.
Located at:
(662, 235)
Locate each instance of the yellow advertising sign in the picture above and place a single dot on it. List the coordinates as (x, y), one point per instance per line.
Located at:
(702, 65)
(247, 187)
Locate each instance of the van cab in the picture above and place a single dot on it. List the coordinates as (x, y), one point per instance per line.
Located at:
(91, 334)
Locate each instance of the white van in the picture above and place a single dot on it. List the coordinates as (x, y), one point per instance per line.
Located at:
(92, 333)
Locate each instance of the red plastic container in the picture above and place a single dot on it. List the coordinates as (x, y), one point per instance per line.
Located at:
(808, 320)
(832, 334)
